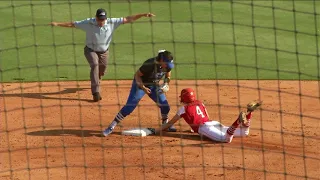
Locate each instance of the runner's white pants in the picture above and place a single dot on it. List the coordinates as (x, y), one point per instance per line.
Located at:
(218, 132)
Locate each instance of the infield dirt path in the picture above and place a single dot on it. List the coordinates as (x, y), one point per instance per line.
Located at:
(53, 131)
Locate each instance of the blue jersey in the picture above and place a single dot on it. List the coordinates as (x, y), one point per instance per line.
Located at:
(152, 72)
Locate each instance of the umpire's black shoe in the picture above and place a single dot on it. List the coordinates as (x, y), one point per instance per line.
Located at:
(96, 97)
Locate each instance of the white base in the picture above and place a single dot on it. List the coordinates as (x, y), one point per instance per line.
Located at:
(137, 132)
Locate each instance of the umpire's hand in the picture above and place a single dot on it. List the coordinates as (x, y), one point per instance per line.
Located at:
(149, 15)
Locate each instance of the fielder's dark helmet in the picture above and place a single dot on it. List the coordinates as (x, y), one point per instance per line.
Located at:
(167, 57)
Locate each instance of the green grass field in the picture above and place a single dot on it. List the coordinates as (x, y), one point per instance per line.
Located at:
(210, 40)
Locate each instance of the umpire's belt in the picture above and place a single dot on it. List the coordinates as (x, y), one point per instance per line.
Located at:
(97, 51)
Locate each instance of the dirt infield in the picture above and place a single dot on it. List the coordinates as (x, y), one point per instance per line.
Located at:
(53, 131)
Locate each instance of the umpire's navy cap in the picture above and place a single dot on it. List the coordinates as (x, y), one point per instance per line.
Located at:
(101, 14)
(167, 57)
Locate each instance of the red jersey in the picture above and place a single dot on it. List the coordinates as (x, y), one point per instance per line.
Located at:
(194, 114)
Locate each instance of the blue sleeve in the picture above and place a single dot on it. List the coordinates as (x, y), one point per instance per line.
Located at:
(83, 24)
(115, 22)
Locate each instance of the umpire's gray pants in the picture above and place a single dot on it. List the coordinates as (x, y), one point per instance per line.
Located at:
(98, 63)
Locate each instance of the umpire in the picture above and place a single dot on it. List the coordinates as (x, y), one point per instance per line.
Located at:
(99, 32)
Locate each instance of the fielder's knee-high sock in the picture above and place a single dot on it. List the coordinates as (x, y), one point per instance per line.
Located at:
(164, 108)
(125, 111)
(119, 117)
(164, 117)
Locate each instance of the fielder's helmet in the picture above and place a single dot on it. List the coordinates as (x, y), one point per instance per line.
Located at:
(167, 57)
(187, 95)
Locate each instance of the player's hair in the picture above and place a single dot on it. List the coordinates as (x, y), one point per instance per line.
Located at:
(187, 95)
(166, 54)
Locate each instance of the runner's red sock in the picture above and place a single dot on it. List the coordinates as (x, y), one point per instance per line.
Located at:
(248, 116)
(233, 127)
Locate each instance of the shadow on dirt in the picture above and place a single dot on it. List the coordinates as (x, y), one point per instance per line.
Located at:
(46, 95)
(66, 132)
(95, 133)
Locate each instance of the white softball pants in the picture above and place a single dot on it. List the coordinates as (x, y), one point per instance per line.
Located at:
(218, 132)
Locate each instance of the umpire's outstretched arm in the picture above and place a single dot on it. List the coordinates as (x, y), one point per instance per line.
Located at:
(128, 19)
(132, 18)
(63, 24)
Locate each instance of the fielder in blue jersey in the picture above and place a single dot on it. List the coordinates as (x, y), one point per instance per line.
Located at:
(146, 81)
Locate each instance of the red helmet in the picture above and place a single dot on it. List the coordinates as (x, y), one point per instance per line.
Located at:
(187, 95)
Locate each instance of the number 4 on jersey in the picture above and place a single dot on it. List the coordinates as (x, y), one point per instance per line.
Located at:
(199, 112)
